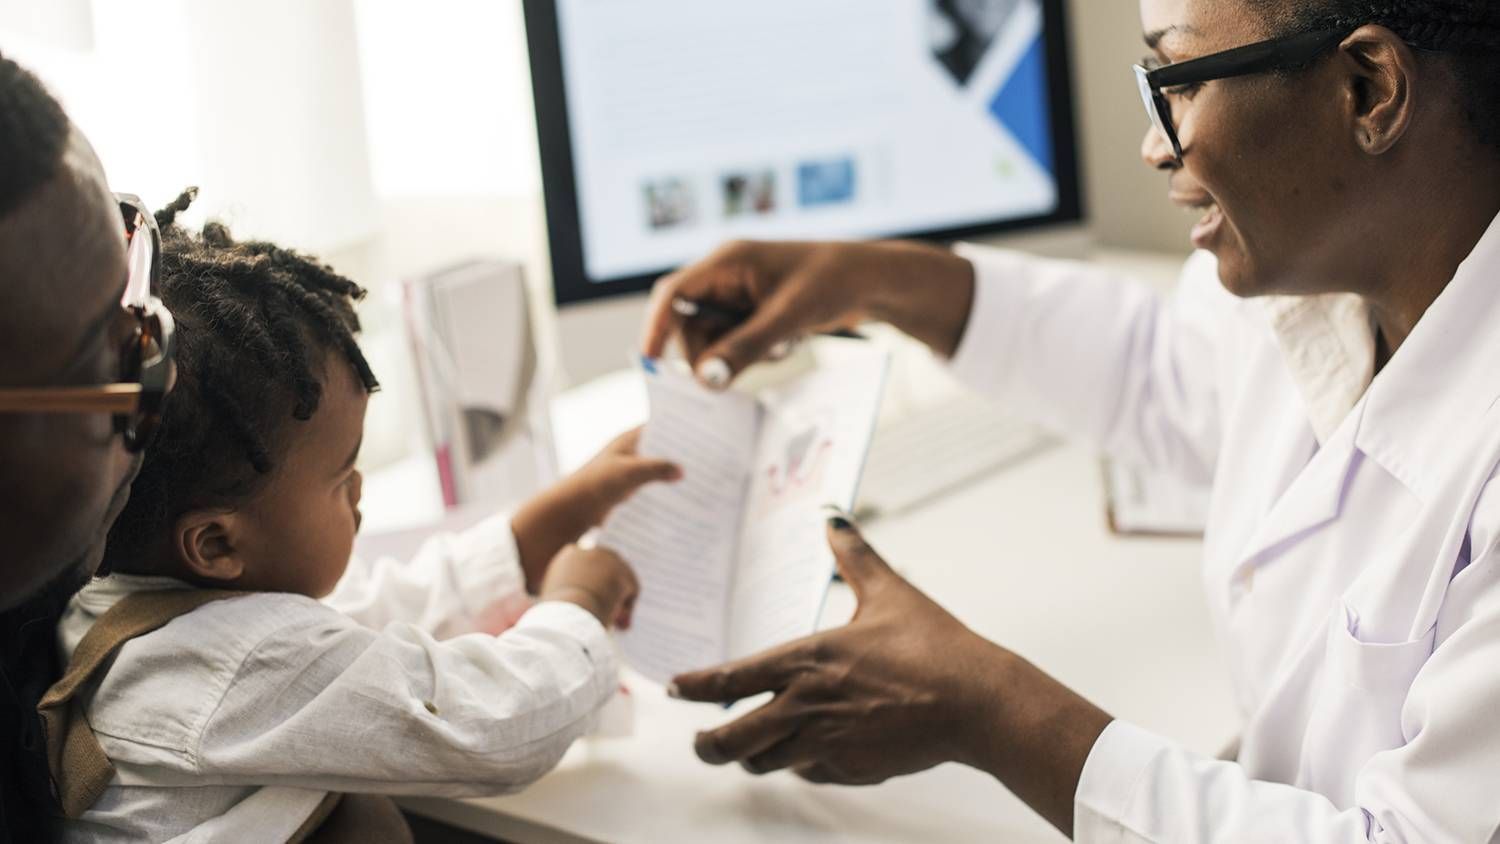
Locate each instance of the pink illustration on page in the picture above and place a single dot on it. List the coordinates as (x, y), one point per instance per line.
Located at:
(798, 474)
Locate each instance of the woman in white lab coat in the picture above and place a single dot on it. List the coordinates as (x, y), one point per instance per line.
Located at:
(1331, 363)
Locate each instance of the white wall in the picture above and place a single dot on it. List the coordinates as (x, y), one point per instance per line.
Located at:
(64, 23)
(448, 99)
(257, 103)
(280, 120)
(1126, 200)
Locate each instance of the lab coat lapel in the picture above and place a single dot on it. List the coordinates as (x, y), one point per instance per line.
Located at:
(1418, 418)
(1427, 406)
(1432, 422)
(1312, 501)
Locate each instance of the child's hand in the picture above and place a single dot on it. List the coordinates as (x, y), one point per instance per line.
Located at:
(613, 476)
(582, 501)
(595, 579)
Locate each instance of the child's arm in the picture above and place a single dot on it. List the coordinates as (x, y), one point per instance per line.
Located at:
(288, 692)
(456, 583)
(582, 501)
(479, 580)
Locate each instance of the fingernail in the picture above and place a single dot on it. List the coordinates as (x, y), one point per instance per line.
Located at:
(673, 692)
(780, 351)
(714, 373)
(837, 517)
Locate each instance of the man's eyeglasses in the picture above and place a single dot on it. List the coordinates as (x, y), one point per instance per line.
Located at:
(146, 371)
(1277, 54)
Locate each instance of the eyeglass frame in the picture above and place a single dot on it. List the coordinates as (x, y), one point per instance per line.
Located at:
(147, 373)
(1275, 54)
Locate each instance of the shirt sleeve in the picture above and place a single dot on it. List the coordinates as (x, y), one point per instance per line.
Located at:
(1441, 785)
(330, 704)
(456, 583)
(1099, 358)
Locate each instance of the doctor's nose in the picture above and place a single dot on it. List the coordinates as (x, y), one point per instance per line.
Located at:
(1157, 152)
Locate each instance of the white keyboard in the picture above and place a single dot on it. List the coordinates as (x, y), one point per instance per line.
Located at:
(937, 447)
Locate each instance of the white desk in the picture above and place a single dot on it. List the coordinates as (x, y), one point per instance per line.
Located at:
(1024, 558)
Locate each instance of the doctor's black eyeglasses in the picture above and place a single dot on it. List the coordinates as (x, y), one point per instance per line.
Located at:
(1276, 54)
(146, 371)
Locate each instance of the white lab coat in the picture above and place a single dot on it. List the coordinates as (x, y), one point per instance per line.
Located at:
(1354, 579)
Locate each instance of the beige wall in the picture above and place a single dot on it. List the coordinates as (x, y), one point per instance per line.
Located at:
(1126, 201)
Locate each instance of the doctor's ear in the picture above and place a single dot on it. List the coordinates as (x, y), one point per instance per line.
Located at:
(1380, 78)
(205, 543)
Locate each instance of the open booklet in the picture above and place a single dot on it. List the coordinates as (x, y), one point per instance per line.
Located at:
(734, 558)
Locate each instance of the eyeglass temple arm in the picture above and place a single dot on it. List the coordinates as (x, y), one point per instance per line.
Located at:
(1244, 61)
(110, 398)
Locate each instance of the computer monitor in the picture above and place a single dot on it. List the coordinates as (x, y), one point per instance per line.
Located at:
(667, 127)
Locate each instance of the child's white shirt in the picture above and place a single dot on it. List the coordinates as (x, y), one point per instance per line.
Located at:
(232, 722)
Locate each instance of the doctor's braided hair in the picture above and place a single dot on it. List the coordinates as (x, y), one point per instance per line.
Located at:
(254, 324)
(1466, 32)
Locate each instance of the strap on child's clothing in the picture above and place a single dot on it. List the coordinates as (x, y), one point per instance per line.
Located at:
(80, 770)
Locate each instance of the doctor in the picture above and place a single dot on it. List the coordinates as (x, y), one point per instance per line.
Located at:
(1331, 363)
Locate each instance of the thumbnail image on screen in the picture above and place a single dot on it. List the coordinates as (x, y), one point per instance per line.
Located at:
(691, 123)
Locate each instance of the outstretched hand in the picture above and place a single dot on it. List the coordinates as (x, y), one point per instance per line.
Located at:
(901, 688)
(859, 704)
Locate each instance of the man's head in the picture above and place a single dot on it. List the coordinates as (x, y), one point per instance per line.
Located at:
(63, 477)
(1302, 170)
(250, 482)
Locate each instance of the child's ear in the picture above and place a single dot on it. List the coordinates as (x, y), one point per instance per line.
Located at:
(205, 542)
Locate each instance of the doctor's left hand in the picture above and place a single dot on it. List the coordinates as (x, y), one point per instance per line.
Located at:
(903, 687)
(861, 703)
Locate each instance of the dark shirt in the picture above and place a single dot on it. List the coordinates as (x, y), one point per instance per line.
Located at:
(29, 664)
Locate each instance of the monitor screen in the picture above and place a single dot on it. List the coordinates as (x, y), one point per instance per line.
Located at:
(667, 127)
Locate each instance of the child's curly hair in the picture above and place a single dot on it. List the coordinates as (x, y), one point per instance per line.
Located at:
(251, 320)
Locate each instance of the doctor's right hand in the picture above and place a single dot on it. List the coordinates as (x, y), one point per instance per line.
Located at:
(793, 290)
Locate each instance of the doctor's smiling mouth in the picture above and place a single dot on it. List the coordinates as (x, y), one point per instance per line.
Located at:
(1248, 266)
(1212, 230)
(1205, 232)
(1186, 192)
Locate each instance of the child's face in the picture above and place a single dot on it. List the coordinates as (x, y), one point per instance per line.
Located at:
(297, 533)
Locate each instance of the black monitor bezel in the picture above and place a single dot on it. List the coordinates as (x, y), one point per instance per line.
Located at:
(570, 282)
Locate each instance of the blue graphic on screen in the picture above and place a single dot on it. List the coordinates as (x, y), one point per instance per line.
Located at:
(825, 182)
(1022, 106)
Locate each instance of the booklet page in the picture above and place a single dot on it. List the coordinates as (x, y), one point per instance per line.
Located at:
(680, 537)
(815, 433)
